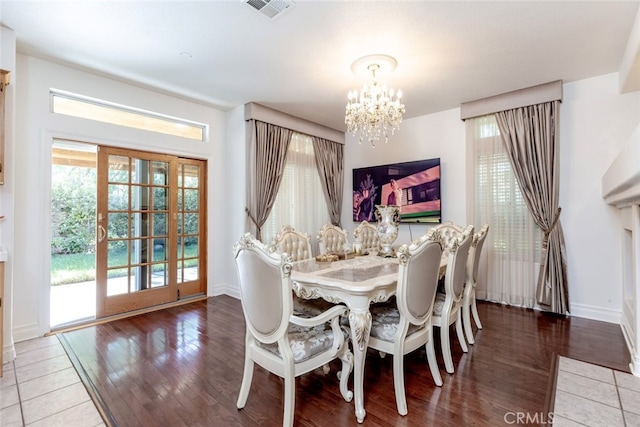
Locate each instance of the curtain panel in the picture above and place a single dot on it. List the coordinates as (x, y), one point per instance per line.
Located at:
(530, 135)
(330, 163)
(267, 153)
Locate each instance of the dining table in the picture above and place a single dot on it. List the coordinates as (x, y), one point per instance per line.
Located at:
(356, 282)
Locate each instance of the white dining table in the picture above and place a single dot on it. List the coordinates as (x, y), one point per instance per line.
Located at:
(356, 282)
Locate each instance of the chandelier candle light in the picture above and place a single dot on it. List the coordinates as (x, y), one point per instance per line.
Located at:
(376, 110)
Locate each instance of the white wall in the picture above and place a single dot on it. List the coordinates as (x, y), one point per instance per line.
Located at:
(595, 121)
(8, 62)
(35, 129)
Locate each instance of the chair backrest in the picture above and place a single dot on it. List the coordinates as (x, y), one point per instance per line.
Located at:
(367, 235)
(474, 254)
(332, 239)
(265, 288)
(457, 263)
(418, 277)
(449, 232)
(293, 242)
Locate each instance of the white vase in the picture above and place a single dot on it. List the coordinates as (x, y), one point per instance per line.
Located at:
(388, 221)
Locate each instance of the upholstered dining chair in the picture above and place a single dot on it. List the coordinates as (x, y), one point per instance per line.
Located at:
(449, 232)
(469, 298)
(281, 342)
(448, 305)
(367, 235)
(297, 245)
(405, 326)
(332, 239)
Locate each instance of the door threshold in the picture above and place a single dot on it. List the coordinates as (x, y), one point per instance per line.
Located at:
(92, 322)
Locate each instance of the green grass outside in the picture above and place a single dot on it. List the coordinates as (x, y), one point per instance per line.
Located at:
(74, 268)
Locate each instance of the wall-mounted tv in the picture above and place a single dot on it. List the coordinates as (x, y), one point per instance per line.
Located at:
(414, 186)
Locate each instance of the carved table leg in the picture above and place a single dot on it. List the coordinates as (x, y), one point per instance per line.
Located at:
(360, 322)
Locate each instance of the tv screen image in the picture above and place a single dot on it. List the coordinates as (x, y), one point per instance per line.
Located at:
(414, 186)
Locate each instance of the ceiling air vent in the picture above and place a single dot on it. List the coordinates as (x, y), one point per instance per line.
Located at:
(270, 8)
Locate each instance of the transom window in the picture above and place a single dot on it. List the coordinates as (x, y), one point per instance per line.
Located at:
(107, 112)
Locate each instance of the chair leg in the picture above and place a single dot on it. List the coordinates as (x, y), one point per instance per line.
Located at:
(463, 342)
(466, 321)
(474, 310)
(398, 383)
(247, 376)
(289, 396)
(446, 347)
(343, 375)
(433, 362)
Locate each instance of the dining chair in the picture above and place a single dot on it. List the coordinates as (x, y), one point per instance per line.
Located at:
(332, 239)
(449, 232)
(277, 340)
(405, 326)
(469, 298)
(447, 307)
(366, 235)
(297, 245)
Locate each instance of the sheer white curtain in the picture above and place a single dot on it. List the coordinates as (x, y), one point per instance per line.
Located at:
(510, 264)
(300, 201)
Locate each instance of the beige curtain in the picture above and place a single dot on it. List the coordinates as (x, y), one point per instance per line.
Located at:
(530, 135)
(268, 150)
(330, 163)
(509, 264)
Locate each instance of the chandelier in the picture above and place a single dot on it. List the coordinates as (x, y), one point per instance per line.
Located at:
(376, 110)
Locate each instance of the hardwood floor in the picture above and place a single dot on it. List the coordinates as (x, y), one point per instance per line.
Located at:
(183, 367)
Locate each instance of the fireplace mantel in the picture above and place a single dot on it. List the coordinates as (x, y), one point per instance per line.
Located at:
(621, 188)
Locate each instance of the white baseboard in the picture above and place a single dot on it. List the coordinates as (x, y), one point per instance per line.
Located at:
(8, 354)
(26, 332)
(225, 289)
(596, 313)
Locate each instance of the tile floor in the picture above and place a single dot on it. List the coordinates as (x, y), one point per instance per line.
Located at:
(41, 388)
(590, 395)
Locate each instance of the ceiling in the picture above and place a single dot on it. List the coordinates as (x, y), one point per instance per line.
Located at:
(226, 53)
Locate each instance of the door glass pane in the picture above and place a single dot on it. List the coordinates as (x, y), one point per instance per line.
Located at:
(139, 251)
(191, 199)
(139, 224)
(118, 253)
(118, 225)
(191, 247)
(139, 197)
(118, 169)
(191, 176)
(160, 275)
(160, 227)
(117, 282)
(179, 223)
(187, 270)
(159, 249)
(190, 223)
(160, 198)
(140, 171)
(139, 278)
(118, 197)
(160, 173)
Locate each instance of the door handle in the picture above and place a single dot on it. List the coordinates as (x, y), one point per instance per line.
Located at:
(102, 233)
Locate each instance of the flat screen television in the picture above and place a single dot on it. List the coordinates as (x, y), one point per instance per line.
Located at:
(414, 186)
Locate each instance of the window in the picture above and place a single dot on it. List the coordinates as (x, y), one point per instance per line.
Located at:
(300, 201)
(107, 112)
(513, 242)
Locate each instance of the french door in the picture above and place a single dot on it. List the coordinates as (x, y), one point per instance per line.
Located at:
(150, 230)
